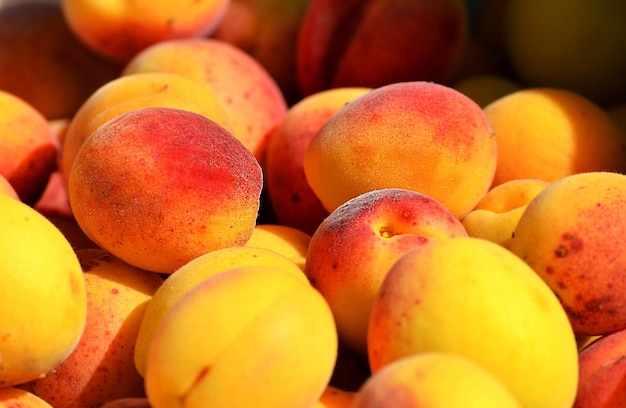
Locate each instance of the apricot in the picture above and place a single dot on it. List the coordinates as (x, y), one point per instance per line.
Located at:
(569, 236)
(472, 297)
(13, 397)
(43, 302)
(101, 367)
(603, 372)
(436, 379)
(193, 273)
(333, 397)
(158, 187)
(549, 133)
(356, 245)
(255, 327)
(29, 148)
(118, 30)
(419, 136)
(340, 43)
(618, 113)
(127, 403)
(6, 188)
(292, 200)
(287, 241)
(496, 215)
(268, 31)
(43, 63)
(545, 54)
(251, 97)
(134, 92)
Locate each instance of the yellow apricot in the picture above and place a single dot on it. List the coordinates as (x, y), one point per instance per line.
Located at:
(43, 302)
(288, 241)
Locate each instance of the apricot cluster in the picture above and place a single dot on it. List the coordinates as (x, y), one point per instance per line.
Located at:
(312, 203)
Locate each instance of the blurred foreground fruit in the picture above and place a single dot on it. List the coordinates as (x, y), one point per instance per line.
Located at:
(569, 234)
(42, 294)
(419, 136)
(158, 187)
(255, 327)
(434, 379)
(12, 397)
(472, 297)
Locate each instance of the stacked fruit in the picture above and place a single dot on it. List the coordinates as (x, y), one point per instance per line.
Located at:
(312, 203)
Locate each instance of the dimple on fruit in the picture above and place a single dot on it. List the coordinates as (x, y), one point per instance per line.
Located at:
(43, 302)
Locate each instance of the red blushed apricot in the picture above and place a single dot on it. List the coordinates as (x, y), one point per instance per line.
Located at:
(378, 42)
(158, 187)
(355, 246)
(570, 234)
(42, 62)
(602, 372)
(119, 29)
(419, 136)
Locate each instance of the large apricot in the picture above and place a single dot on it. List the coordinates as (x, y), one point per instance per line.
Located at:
(570, 235)
(420, 136)
(43, 302)
(158, 187)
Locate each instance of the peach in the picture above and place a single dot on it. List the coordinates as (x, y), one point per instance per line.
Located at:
(549, 133)
(496, 215)
(545, 54)
(420, 136)
(118, 30)
(29, 148)
(158, 187)
(472, 297)
(43, 63)
(43, 302)
(251, 97)
(12, 397)
(255, 329)
(434, 379)
(289, 194)
(268, 31)
(193, 273)
(101, 367)
(287, 241)
(124, 94)
(356, 245)
(339, 43)
(567, 235)
(602, 374)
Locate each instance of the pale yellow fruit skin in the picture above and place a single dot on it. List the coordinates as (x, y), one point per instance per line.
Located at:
(288, 241)
(43, 302)
(434, 379)
(193, 273)
(250, 336)
(12, 397)
(496, 215)
(472, 297)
